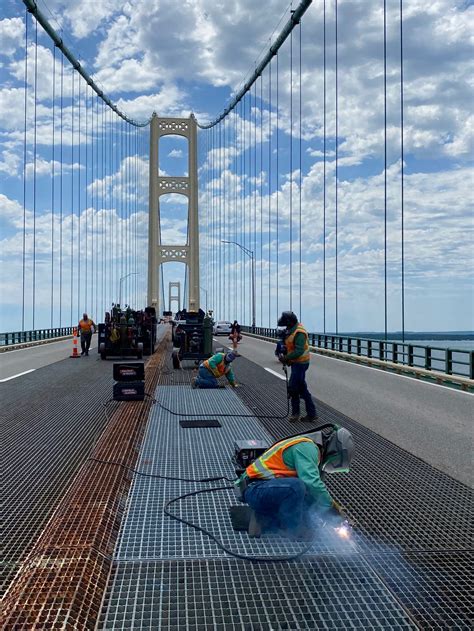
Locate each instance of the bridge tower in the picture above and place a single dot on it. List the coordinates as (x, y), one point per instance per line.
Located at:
(174, 295)
(159, 253)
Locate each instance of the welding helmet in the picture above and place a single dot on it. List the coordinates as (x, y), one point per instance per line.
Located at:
(229, 357)
(288, 319)
(336, 445)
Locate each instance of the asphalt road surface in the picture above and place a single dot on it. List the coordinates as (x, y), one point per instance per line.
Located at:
(432, 422)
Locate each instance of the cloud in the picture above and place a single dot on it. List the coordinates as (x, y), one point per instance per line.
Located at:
(175, 153)
(12, 32)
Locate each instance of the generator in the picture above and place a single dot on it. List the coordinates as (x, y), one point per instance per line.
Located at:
(192, 337)
(128, 333)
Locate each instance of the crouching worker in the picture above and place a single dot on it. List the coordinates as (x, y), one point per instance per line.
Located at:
(217, 366)
(285, 486)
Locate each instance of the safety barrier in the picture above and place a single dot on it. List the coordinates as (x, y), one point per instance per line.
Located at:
(23, 337)
(451, 361)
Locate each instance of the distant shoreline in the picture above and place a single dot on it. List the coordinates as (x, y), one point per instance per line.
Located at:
(453, 335)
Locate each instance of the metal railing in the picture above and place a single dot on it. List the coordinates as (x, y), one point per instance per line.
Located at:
(451, 361)
(23, 337)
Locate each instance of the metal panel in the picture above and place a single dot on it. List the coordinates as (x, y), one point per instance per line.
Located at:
(227, 595)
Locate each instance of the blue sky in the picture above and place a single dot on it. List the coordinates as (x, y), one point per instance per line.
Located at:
(176, 58)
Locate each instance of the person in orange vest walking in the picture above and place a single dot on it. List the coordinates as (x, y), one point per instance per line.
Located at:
(285, 483)
(297, 357)
(86, 328)
(219, 365)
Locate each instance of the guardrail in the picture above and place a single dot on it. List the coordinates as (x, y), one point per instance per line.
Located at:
(23, 337)
(451, 361)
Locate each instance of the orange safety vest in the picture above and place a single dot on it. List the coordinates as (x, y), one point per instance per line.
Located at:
(290, 346)
(219, 369)
(271, 464)
(86, 325)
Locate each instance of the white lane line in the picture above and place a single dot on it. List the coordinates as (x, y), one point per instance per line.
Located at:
(18, 375)
(382, 372)
(277, 374)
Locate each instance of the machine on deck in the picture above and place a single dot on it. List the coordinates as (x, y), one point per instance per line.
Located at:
(128, 333)
(192, 337)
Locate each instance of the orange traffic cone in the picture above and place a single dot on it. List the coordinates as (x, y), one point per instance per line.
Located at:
(75, 354)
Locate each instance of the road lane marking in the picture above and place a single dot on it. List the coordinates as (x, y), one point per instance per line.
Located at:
(381, 371)
(18, 375)
(276, 374)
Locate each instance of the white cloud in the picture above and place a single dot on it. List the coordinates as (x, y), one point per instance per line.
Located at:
(12, 32)
(175, 153)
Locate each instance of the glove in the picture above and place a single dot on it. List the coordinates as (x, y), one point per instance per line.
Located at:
(337, 508)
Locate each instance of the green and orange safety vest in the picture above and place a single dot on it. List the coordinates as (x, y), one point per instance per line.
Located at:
(290, 346)
(271, 464)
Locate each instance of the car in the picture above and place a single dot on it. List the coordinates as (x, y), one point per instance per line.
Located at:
(222, 328)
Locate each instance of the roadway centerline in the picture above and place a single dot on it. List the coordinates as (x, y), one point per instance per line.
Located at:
(18, 375)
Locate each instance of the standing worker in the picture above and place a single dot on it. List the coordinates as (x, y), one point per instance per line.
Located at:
(285, 484)
(235, 335)
(213, 368)
(86, 328)
(297, 356)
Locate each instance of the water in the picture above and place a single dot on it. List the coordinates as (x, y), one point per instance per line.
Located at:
(462, 345)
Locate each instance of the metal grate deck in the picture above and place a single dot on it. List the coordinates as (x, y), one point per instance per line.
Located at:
(50, 420)
(228, 595)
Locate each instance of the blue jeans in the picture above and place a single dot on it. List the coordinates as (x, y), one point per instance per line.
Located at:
(281, 500)
(206, 379)
(297, 388)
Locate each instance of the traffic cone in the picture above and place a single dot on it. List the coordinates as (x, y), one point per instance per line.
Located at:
(75, 354)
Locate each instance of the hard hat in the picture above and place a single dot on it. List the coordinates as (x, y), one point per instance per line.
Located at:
(337, 447)
(229, 357)
(288, 319)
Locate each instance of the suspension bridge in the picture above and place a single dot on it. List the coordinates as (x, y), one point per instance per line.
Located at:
(89, 542)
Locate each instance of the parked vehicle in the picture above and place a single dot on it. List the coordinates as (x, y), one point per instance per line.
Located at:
(222, 327)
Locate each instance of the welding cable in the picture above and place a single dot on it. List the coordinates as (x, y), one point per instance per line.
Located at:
(244, 557)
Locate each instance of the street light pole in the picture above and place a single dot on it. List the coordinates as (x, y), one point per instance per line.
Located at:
(251, 255)
(120, 285)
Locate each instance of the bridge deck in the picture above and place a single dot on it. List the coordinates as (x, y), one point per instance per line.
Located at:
(410, 564)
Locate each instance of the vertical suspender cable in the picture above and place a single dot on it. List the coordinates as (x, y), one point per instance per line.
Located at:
(324, 166)
(385, 158)
(291, 171)
(402, 170)
(86, 214)
(261, 200)
(336, 163)
(254, 248)
(270, 190)
(71, 289)
(79, 208)
(277, 192)
(52, 186)
(93, 244)
(34, 173)
(24, 173)
(61, 103)
(300, 182)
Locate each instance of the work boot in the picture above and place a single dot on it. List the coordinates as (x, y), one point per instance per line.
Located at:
(294, 418)
(310, 419)
(255, 527)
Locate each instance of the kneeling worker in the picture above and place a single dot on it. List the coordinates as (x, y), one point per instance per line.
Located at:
(213, 368)
(286, 483)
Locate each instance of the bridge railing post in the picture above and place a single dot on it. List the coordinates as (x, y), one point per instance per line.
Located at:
(395, 352)
(448, 361)
(428, 358)
(471, 365)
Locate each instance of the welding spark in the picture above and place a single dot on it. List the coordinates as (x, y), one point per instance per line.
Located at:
(343, 531)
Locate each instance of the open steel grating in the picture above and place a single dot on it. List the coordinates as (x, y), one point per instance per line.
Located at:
(227, 595)
(50, 422)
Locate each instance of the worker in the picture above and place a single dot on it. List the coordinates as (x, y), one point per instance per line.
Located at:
(284, 486)
(296, 355)
(235, 334)
(217, 366)
(86, 328)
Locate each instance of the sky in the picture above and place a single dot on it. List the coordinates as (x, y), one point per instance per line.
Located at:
(178, 58)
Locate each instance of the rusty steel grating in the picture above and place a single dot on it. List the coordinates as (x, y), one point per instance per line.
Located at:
(49, 427)
(66, 571)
